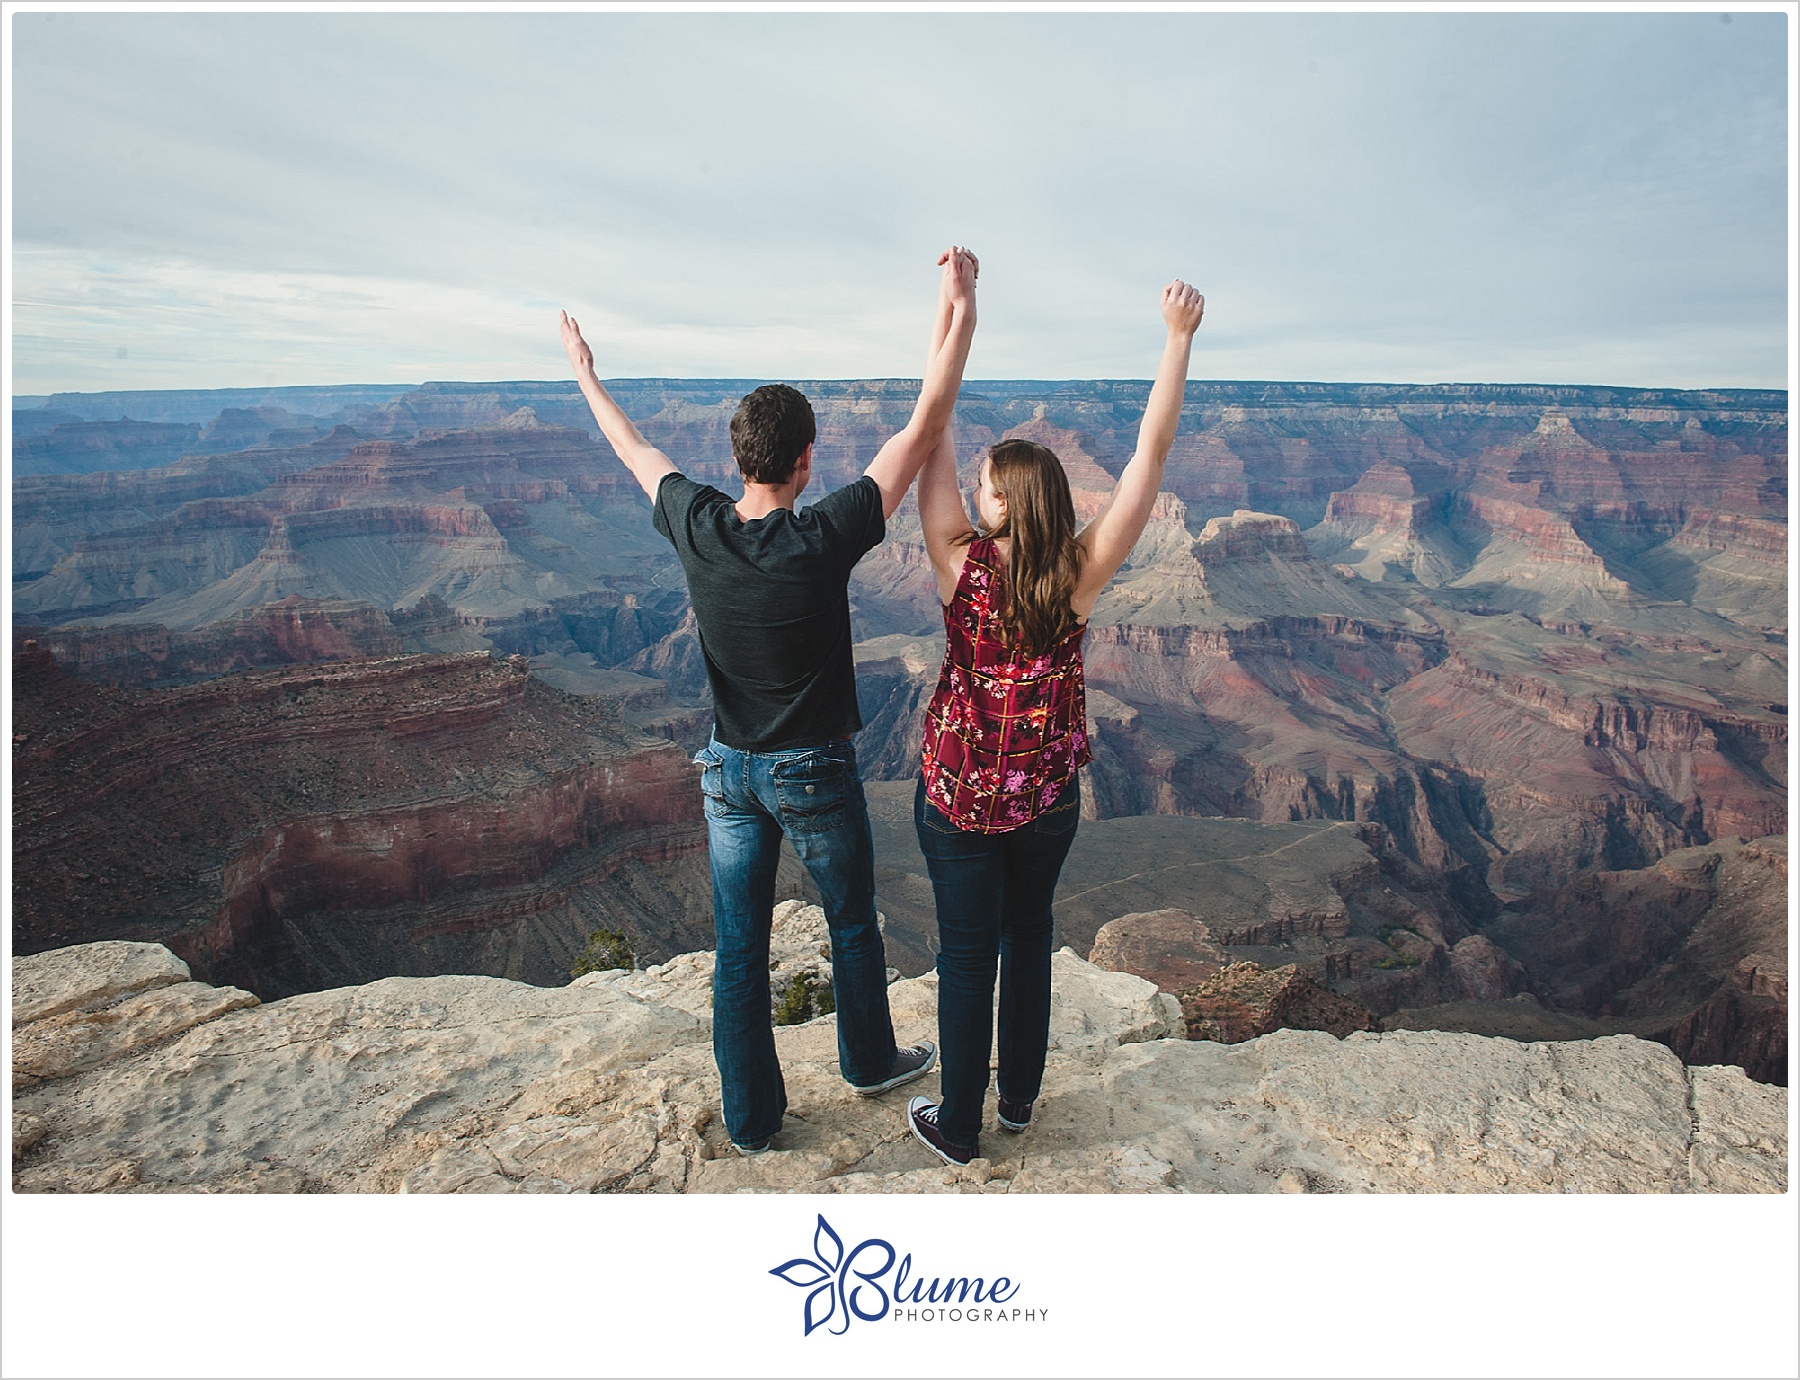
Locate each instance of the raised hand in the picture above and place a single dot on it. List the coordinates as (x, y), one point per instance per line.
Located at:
(579, 354)
(1182, 308)
(961, 269)
(900, 458)
(647, 464)
(1108, 539)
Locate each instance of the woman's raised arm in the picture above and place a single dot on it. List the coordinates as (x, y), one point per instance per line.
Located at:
(1108, 539)
(897, 464)
(941, 513)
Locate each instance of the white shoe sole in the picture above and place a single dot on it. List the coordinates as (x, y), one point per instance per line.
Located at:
(899, 1080)
(919, 1135)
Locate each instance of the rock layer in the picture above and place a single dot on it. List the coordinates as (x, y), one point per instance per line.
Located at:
(1240, 1001)
(344, 821)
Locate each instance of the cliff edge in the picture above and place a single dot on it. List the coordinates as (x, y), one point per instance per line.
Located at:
(128, 1076)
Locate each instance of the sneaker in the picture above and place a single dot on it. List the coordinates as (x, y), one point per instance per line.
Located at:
(761, 1147)
(909, 1064)
(922, 1115)
(1014, 1116)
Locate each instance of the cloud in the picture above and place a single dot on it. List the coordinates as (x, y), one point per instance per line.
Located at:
(1361, 195)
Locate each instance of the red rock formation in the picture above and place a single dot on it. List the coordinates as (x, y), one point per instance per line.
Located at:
(52, 514)
(1563, 649)
(225, 818)
(75, 447)
(1247, 535)
(1244, 1000)
(1731, 532)
(1171, 948)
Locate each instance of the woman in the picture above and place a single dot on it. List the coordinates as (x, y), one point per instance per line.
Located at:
(998, 799)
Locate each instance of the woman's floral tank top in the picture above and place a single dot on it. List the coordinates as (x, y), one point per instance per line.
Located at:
(1006, 729)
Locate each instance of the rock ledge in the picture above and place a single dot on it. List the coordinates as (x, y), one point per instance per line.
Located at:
(482, 1085)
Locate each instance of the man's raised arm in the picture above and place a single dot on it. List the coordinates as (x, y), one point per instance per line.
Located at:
(897, 463)
(646, 463)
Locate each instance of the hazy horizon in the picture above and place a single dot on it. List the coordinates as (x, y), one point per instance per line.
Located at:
(969, 385)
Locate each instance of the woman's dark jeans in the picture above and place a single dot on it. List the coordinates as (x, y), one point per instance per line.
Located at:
(993, 904)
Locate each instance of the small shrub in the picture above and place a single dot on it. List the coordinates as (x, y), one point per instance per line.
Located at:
(606, 949)
(1397, 959)
(803, 998)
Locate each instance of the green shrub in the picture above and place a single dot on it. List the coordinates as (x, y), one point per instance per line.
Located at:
(606, 949)
(1388, 962)
(802, 999)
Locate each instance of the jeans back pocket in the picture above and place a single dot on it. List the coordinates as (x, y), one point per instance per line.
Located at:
(813, 791)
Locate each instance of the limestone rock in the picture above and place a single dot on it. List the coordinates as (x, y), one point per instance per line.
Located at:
(1401, 1112)
(76, 1040)
(1729, 1153)
(799, 947)
(88, 975)
(1245, 1000)
(482, 1085)
(684, 982)
(1171, 948)
(1092, 1009)
(28, 1130)
(334, 1085)
(799, 953)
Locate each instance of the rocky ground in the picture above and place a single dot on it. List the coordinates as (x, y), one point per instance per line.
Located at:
(129, 1076)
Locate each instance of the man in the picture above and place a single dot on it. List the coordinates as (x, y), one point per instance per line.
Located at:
(768, 585)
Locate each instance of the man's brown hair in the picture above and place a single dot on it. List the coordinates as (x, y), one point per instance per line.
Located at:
(771, 427)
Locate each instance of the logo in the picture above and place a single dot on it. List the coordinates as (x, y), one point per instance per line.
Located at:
(873, 1281)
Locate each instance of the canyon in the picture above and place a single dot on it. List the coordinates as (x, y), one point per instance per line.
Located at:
(299, 828)
(1462, 698)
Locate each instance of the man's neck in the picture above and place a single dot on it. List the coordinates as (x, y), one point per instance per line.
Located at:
(760, 500)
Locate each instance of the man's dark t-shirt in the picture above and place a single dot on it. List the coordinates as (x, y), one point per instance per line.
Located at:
(769, 596)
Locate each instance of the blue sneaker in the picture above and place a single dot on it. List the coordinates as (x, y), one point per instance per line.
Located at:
(909, 1064)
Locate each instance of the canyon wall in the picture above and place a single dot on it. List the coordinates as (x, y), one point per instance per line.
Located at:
(1528, 638)
(285, 830)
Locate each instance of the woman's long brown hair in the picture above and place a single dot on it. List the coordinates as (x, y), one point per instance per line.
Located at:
(1046, 559)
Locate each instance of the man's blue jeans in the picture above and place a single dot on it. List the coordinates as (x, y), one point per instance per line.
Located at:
(814, 796)
(993, 905)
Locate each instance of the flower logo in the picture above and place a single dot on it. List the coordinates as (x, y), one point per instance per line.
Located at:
(827, 1276)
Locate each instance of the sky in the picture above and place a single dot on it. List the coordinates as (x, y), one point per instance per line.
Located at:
(248, 199)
